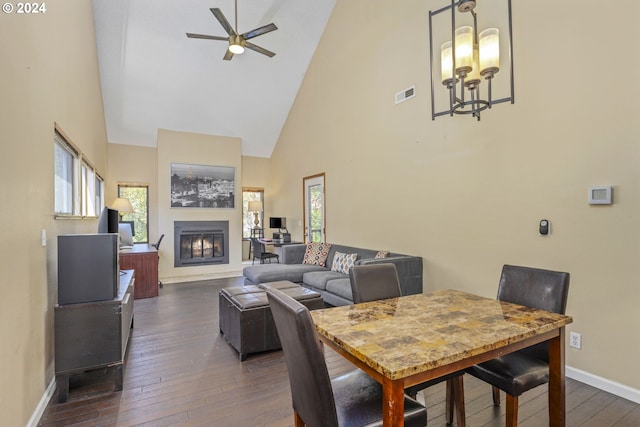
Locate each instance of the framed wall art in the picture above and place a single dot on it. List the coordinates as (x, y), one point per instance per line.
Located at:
(202, 186)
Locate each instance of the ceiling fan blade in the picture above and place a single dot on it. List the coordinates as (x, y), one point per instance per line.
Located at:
(204, 36)
(259, 31)
(223, 21)
(259, 49)
(228, 55)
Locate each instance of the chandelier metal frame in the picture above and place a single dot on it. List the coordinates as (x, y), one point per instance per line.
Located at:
(467, 100)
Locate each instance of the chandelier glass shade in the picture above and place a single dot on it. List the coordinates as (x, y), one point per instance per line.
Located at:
(469, 60)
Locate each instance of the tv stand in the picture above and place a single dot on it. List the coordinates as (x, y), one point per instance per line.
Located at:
(93, 335)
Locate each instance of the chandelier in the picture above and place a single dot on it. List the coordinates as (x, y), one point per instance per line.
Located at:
(467, 60)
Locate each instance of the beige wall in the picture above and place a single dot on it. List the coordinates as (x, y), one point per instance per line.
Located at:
(129, 164)
(199, 149)
(255, 171)
(49, 74)
(467, 195)
(139, 165)
(255, 174)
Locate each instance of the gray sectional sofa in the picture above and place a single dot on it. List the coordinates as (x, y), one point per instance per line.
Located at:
(334, 286)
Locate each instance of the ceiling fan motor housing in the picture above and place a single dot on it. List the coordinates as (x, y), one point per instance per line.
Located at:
(236, 44)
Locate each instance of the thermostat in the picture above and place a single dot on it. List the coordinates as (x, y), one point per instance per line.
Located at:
(600, 195)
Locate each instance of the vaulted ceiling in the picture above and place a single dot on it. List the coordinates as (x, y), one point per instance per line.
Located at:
(153, 76)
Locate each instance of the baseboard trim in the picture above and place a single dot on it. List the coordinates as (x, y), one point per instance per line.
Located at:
(42, 405)
(199, 277)
(604, 384)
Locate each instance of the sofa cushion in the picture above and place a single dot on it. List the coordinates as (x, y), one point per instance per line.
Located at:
(362, 253)
(316, 253)
(381, 254)
(319, 279)
(274, 272)
(340, 287)
(342, 262)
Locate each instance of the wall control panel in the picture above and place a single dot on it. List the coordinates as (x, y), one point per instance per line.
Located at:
(600, 195)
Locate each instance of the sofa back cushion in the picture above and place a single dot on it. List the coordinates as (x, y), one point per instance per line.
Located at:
(316, 253)
(343, 262)
(362, 253)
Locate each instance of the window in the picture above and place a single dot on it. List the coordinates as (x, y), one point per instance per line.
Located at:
(248, 218)
(66, 158)
(314, 208)
(79, 189)
(99, 201)
(88, 190)
(138, 195)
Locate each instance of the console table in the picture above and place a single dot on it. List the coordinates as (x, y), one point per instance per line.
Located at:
(93, 335)
(143, 258)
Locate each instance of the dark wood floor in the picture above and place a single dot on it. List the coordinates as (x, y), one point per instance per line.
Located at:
(181, 372)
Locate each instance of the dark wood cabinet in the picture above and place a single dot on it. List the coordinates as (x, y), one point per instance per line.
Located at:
(93, 335)
(143, 258)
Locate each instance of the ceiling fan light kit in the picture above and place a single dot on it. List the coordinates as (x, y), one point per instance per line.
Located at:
(468, 58)
(236, 45)
(237, 42)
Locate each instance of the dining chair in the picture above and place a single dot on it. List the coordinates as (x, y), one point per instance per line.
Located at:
(352, 399)
(374, 282)
(525, 369)
(157, 246)
(259, 252)
(380, 281)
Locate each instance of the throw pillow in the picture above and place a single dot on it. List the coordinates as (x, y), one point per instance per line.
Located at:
(342, 262)
(382, 254)
(316, 253)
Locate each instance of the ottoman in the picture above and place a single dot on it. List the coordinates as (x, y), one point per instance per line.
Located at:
(245, 316)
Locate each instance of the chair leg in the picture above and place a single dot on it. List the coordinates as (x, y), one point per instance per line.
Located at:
(455, 398)
(297, 420)
(512, 411)
(496, 395)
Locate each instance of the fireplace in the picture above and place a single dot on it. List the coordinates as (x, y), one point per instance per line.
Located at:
(199, 243)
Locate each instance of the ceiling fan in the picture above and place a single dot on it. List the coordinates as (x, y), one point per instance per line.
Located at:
(237, 42)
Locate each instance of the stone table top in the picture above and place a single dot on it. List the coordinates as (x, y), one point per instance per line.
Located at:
(399, 337)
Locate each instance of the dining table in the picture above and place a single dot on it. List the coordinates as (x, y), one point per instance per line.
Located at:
(411, 339)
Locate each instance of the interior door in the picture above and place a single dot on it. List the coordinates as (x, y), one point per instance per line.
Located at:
(314, 208)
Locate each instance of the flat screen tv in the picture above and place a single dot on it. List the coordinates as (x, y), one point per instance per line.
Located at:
(277, 222)
(88, 268)
(108, 221)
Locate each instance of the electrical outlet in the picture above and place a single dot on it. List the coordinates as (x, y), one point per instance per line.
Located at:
(575, 340)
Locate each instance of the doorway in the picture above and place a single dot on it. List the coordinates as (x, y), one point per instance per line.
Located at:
(314, 208)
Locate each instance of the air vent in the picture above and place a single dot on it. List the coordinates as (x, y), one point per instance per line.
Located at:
(405, 94)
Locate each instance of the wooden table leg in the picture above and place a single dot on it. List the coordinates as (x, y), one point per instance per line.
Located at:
(392, 403)
(557, 388)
